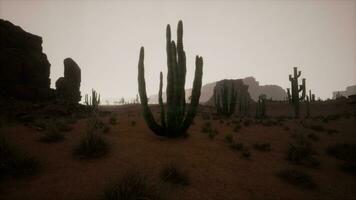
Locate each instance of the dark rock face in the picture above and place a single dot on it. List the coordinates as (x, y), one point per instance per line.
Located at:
(24, 68)
(68, 87)
(240, 87)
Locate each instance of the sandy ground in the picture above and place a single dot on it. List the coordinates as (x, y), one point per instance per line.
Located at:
(215, 170)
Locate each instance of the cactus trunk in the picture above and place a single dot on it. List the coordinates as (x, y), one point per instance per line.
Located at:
(176, 120)
(293, 94)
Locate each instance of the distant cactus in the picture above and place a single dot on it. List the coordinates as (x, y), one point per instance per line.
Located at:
(311, 96)
(307, 102)
(93, 101)
(261, 106)
(225, 98)
(293, 93)
(176, 120)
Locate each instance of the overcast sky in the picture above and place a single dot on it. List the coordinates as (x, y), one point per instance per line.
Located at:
(264, 39)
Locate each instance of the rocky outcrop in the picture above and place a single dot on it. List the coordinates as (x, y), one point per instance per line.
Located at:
(24, 68)
(239, 86)
(273, 92)
(254, 89)
(68, 87)
(350, 90)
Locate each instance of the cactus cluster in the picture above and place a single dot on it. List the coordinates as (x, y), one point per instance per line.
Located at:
(244, 105)
(177, 119)
(293, 93)
(225, 98)
(261, 106)
(311, 96)
(93, 101)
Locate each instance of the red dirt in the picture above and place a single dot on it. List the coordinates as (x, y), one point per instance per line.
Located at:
(215, 170)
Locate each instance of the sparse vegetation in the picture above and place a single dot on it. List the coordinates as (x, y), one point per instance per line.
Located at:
(236, 146)
(246, 153)
(229, 138)
(133, 186)
(14, 163)
(313, 137)
(301, 152)
(133, 123)
(113, 120)
(297, 178)
(173, 174)
(53, 133)
(262, 146)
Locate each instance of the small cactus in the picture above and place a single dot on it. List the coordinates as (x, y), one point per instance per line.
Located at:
(293, 93)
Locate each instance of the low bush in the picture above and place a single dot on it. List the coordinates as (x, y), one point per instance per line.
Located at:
(14, 163)
(133, 186)
(173, 174)
(262, 146)
(297, 178)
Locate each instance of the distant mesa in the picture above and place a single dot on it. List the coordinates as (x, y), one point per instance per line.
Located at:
(254, 89)
(350, 90)
(240, 87)
(24, 69)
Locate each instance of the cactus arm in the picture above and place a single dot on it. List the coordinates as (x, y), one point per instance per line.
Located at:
(143, 97)
(160, 99)
(290, 78)
(193, 106)
(299, 73)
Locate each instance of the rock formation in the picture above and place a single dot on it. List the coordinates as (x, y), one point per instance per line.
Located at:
(254, 89)
(68, 87)
(24, 68)
(239, 86)
(350, 90)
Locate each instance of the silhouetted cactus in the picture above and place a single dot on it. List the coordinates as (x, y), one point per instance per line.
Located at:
(311, 96)
(225, 98)
(261, 106)
(93, 101)
(178, 119)
(293, 94)
(68, 87)
(308, 106)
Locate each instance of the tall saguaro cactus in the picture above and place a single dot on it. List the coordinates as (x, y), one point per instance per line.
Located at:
(225, 100)
(293, 93)
(177, 119)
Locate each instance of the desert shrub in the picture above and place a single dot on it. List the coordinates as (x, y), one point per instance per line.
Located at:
(221, 121)
(313, 137)
(286, 128)
(343, 151)
(92, 144)
(247, 122)
(301, 152)
(317, 128)
(133, 186)
(113, 120)
(237, 128)
(53, 133)
(229, 138)
(236, 146)
(133, 123)
(297, 178)
(14, 163)
(269, 122)
(348, 167)
(262, 146)
(331, 131)
(212, 133)
(173, 174)
(246, 153)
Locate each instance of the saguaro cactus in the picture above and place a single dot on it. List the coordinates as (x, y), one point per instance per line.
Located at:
(293, 93)
(176, 120)
(225, 100)
(261, 106)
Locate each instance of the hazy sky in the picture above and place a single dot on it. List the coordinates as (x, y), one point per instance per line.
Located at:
(264, 39)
